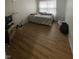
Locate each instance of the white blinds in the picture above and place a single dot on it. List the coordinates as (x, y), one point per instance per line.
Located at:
(48, 6)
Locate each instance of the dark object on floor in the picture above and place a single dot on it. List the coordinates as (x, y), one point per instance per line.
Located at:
(6, 37)
(64, 28)
(8, 20)
(19, 26)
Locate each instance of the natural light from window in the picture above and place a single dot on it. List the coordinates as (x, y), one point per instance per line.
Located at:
(48, 6)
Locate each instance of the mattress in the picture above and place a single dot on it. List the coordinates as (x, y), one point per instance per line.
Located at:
(43, 16)
(41, 19)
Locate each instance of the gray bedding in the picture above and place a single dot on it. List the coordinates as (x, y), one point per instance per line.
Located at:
(41, 19)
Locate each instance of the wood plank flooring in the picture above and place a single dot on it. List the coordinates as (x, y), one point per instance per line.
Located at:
(35, 41)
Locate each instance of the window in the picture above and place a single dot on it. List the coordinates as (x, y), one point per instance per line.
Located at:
(48, 6)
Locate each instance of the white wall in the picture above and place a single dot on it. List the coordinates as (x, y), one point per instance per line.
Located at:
(61, 4)
(8, 7)
(20, 9)
(69, 20)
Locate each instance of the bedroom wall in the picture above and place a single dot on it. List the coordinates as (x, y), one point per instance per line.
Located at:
(22, 9)
(61, 4)
(8, 7)
(69, 20)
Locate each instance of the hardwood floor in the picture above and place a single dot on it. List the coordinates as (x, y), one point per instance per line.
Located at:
(35, 41)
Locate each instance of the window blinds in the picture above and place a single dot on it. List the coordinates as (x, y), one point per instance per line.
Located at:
(48, 6)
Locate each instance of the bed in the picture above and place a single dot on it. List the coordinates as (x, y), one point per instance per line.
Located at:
(41, 19)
